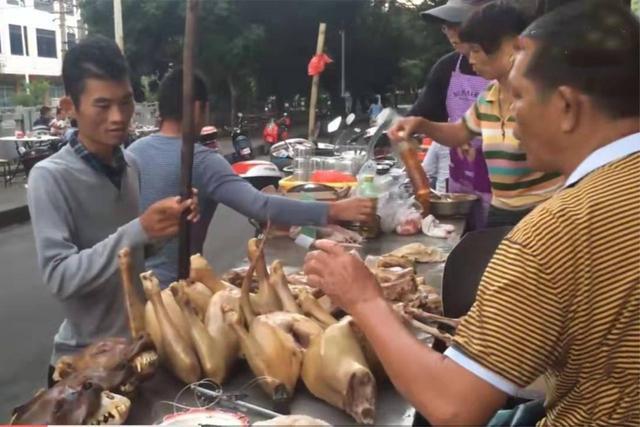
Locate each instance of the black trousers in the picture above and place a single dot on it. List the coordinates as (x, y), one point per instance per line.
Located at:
(500, 217)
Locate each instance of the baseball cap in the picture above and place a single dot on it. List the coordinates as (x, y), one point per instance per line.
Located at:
(454, 11)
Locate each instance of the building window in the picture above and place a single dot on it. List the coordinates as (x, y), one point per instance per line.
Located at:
(56, 90)
(45, 5)
(71, 40)
(7, 92)
(68, 7)
(26, 40)
(46, 40)
(15, 39)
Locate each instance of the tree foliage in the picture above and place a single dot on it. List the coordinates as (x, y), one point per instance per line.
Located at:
(32, 93)
(251, 49)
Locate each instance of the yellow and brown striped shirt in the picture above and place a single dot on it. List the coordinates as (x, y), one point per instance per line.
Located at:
(515, 186)
(561, 298)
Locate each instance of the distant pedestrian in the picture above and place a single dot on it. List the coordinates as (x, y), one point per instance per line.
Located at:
(348, 102)
(374, 109)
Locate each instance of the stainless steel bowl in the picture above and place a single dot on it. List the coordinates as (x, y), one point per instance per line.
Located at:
(452, 204)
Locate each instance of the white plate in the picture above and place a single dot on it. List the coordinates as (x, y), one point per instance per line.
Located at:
(214, 417)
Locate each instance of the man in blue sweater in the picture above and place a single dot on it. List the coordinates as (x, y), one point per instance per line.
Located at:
(83, 202)
(158, 157)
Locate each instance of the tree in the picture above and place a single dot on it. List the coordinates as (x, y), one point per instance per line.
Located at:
(230, 53)
(153, 32)
(32, 93)
(254, 49)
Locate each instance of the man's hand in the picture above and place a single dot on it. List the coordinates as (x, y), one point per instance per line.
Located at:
(405, 128)
(354, 209)
(162, 219)
(341, 275)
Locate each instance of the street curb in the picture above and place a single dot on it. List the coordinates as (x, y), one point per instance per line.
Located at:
(14, 216)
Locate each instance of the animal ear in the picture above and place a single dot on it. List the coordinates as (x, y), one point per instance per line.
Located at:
(64, 368)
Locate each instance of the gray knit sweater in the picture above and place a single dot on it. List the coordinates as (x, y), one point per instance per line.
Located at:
(158, 159)
(80, 222)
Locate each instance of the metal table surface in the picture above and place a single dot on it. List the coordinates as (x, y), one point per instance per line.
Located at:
(155, 396)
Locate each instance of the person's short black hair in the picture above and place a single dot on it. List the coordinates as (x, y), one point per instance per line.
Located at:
(94, 57)
(492, 23)
(170, 94)
(44, 110)
(593, 46)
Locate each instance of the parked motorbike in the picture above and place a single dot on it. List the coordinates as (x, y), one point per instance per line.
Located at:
(209, 138)
(276, 130)
(282, 152)
(259, 173)
(242, 147)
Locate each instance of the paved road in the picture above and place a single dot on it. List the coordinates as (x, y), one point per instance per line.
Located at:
(30, 316)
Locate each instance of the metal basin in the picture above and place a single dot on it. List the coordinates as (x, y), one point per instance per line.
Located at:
(452, 204)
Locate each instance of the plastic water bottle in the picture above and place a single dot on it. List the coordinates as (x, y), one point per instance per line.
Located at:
(370, 228)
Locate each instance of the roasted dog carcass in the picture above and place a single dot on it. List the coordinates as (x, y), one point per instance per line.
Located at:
(174, 345)
(78, 399)
(120, 364)
(94, 385)
(335, 370)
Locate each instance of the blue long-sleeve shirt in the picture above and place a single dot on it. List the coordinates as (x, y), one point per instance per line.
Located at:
(158, 158)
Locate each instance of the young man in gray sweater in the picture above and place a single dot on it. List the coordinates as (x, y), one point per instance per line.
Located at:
(158, 157)
(83, 201)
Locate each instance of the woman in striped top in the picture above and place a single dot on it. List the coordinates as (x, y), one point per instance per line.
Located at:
(492, 33)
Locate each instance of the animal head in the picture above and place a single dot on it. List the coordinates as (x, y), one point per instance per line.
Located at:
(74, 400)
(117, 364)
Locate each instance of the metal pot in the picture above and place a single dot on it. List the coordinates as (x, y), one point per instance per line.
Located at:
(452, 204)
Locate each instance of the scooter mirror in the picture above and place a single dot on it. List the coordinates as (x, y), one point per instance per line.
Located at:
(334, 124)
(350, 118)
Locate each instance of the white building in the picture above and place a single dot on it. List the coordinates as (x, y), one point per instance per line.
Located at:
(33, 36)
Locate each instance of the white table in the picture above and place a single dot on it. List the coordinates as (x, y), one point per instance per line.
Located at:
(9, 144)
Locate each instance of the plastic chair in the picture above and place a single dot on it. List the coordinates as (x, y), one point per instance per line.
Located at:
(30, 157)
(5, 166)
(465, 266)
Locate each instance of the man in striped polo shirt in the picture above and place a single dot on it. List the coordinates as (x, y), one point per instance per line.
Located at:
(561, 296)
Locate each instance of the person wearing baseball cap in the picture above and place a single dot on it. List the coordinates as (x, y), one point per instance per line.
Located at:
(450, 89)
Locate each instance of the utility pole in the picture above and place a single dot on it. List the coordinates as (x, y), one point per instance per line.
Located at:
(316, 81)
(63, 26)
(117, 23)
(342, 65)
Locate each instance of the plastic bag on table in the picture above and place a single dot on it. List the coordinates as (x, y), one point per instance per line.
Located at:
(409, 221)
(398, 211)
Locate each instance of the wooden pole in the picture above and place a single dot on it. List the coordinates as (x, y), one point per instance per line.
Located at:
(188, 134)
(315, 84)
(63, 26)
(117, 24)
